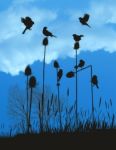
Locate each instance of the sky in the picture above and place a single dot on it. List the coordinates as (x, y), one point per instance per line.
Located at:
(61, 17)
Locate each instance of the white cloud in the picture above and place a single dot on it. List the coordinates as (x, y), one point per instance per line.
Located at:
(17, 50)
(102, 35)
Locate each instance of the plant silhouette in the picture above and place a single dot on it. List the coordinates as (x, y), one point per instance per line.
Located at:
(83, 20)
(59, 74)
(94, 80)
(45, 44)
(32, 84)
(28, 73)
(76, 47)
(28, 22)
(50, 109)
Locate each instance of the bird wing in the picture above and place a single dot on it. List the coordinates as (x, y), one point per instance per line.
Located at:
(86, 17)
(28, 18)
(28, 22)
(48, 33)
(22, 20)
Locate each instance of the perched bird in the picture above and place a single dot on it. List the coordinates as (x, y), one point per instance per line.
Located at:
(94, 81)
(80, 65)
(60, 74)
(77, 38)
(70, 74)
(28, 22)
(47, 33)
(83, 20)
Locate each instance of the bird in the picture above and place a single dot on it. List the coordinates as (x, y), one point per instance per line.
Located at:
(47, 33)
(28, 22)
(70, 74)
(60, 74)
(80, 65)
(77, 38)
(94, 81)
(83, 20)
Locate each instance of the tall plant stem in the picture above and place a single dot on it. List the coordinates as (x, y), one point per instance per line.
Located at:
(59, 106)
(30, 105)
(43, 93)
(76, 112)
(92, 95)
(27, 88)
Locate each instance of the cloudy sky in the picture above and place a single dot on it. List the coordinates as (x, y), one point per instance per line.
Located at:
(61, 17)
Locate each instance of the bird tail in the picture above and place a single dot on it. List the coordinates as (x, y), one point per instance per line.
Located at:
(24, 31)
(54, 36)
(81, 35)
(88, 25)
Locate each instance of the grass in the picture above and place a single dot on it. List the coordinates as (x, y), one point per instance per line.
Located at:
(94, 138)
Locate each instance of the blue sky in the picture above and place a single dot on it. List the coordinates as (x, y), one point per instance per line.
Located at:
(61, 17)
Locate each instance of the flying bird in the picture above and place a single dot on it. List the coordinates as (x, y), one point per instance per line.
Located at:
(60, 74)
(83, 20)
(80, 65)
(28, 22)
(77, 38)
(94, 81)
(47, 33)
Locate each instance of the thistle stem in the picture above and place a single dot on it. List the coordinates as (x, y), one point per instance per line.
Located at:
(76, 92)
(43, 94)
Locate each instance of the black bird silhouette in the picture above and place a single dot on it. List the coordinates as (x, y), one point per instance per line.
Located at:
(83, 20)
(80, 65)
(28, 22)
(77, 38)
(94, 81)
(70, 74)
(60, 74)
(47, 33)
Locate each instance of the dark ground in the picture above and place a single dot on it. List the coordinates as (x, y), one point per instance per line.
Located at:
(94, 139)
